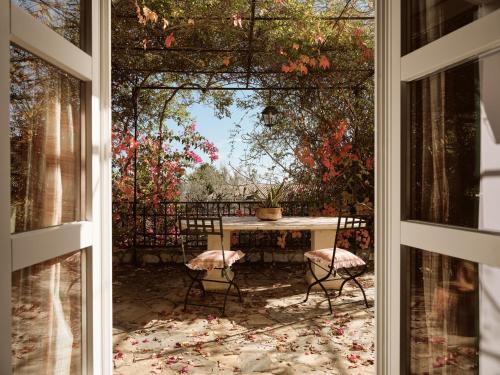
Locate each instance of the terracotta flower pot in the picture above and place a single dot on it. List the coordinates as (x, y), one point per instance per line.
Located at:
(272, 214)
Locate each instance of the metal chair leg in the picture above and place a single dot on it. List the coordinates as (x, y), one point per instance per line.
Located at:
(342, 285)
(187, 293)
(225, 298)
(202, 288)
(198, 279)
(353, 277)
(239, 293)
(312, 284)
(309, 290)
(319, 281)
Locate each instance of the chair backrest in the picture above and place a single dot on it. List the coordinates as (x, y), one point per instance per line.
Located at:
(350, 222)
(195, 226)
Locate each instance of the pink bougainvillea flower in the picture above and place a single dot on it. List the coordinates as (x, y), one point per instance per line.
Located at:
(324, 62)
(194, 156)
(236, 20)
(169, 40)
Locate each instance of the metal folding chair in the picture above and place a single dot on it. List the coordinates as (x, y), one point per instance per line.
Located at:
(190, 229)
(335, 260)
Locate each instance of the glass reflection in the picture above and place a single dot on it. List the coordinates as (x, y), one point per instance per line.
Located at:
(62, 16)
(47, 317)
(454, 148)
(453, 315)
(443, 314)
(45, 144)
(427, 21)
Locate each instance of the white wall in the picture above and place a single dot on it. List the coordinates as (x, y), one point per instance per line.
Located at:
(489, 213)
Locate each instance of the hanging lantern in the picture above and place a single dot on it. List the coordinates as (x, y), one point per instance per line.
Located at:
(269, 116)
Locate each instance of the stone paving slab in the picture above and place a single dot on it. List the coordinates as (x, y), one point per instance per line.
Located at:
(271, 332)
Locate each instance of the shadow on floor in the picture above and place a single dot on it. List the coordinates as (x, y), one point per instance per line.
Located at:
(270, 332)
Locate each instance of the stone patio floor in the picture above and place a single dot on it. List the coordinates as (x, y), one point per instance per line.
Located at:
(272, 332)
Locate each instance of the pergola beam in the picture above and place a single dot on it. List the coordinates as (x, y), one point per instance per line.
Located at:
(207, 50)
(250, 43)
(245, 88)
(264, 19)
(254, 73)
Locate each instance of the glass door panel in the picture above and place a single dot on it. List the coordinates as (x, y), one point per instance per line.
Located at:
(56, 91)
(443, 312)
(64, 17)
(450, 150)
(46, 136)
(454, 146)
(427, 21)
(48, 308)
(452, 315)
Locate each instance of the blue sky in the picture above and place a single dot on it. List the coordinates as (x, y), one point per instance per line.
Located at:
(218, 130)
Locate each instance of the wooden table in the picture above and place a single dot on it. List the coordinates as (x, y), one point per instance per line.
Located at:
(322, 229)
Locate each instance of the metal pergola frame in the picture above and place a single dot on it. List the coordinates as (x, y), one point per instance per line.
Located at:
(248, 52)
(246, 75)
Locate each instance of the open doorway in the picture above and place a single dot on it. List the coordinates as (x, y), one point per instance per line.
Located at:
(217, 108)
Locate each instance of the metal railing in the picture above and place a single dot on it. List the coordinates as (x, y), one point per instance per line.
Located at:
(154, 226)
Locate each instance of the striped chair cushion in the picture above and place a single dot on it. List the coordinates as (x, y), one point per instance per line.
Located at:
(343, 258)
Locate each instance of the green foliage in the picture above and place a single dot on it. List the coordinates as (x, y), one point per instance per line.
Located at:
(324, 139)
(208, 183)
(273, 197)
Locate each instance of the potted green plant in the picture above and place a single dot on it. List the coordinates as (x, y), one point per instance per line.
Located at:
(270, 203)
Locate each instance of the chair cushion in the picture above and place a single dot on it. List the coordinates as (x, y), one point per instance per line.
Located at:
(343, 258)
(211, 259)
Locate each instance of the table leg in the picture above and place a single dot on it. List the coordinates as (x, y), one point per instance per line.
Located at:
(214, 243)
(322, 239)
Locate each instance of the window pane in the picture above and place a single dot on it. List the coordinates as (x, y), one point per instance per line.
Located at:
(453, 315)
(427, 21)
(454, 148)
(47, 317)
(45, 144)
(63, 16)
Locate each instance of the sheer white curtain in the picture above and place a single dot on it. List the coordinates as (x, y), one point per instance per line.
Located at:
(51, 194)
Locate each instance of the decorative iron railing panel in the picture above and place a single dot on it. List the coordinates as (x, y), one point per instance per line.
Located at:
(155, 225)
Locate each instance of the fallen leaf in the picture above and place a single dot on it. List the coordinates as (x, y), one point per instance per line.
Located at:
(337, 331)
(356, 346)
(171, 360)
(119, 356)
(353, 358)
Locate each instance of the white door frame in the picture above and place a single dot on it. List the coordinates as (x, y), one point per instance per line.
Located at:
(392, 71)
(18, 251)
(5, 252)
(387, 187)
